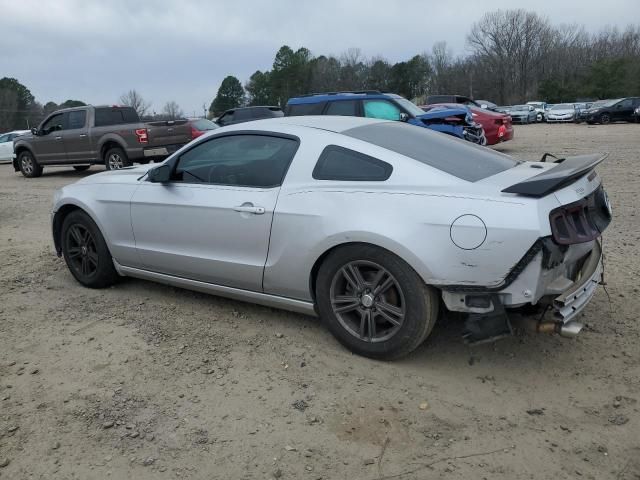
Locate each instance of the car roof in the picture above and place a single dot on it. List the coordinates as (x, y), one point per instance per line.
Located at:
(336, 124)
(336, 96)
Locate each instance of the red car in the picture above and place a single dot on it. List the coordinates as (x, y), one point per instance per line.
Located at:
(200, 126)
(497, 126)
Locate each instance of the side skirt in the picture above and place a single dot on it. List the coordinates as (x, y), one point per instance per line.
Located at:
(265, 299)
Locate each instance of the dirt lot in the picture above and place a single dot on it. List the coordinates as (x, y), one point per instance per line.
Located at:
(150, 382)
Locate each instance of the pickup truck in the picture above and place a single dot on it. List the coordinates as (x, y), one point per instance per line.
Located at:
(83, 136)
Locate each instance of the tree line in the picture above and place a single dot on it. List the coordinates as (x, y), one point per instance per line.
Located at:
(514, 56)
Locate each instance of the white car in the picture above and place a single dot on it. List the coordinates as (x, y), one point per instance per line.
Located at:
(373, 225)
(6, 144)
(561, 112)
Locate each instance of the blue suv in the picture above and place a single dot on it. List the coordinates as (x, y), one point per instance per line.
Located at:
(388, 106)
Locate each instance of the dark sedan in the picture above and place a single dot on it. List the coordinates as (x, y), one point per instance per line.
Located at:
(617, 110)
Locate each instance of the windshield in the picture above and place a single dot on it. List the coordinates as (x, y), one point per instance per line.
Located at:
(520, 107)
(607, 103)
(563, 106)
(411, 107)
(456, 157)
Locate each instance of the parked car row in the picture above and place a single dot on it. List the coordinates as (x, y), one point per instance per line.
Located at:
(601, 111)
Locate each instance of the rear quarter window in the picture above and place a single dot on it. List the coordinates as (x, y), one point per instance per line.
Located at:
(115, 116)
(339, 163)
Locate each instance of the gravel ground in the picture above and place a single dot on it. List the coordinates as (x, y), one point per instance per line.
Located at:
(149, 382)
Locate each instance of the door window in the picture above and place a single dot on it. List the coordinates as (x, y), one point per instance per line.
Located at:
(625, 104)
(76, 119)
(344, 107)
(381, 109)
(53, 124)
(4, 138)
(243, 160)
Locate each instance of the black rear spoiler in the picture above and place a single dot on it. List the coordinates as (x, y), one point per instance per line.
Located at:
(557, 177)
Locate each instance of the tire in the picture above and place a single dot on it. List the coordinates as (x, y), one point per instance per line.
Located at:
(115, 158)
(539, 117)
(604, 119)
(404, 298)
(28, 165)
(85, 251)
(81, 168)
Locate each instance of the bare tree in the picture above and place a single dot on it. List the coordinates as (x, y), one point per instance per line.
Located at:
(511, 43)
(172, 110)
(133, 99)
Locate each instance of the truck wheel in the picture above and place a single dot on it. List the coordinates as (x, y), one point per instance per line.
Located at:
(374, 303)
(29, 167)
(115, 159)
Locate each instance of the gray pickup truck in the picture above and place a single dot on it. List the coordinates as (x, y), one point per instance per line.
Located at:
(109, 135)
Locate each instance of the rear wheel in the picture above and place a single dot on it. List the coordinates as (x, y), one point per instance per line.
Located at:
(81, 168)
(29, 167)
(116, 158)
(85, 251)
(374, 303)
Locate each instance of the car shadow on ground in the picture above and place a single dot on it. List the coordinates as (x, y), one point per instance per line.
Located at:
(443, 351)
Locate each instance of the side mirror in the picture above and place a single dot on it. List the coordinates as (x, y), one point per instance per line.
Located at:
(404, 117)
(34, 131)
(161, 174)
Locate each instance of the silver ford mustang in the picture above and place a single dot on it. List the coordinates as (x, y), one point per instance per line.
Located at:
(370, 224)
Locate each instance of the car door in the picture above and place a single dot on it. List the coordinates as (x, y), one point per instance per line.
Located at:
(6, 147)
(212, 221)
(48, 145)
(623, 110)
(75, 135)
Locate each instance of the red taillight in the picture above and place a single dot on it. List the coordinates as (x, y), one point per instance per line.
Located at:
(195, 133)
(143, 135)
(501, 131)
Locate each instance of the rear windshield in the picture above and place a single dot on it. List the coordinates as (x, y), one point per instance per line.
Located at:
(115, 116)
(456, 157)
(204, 124)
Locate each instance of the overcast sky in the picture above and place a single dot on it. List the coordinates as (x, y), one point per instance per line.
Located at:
(181, 50)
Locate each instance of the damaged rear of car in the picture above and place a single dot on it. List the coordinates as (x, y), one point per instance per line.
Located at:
(512, 234)
(561, 269)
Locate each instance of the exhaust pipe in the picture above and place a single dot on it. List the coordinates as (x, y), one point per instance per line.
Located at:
(569, 330)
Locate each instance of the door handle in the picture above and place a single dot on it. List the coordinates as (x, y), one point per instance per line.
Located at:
(249, 208)
(58, 138)
(82, 135)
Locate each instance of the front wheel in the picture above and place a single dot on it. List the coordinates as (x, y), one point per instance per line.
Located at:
(374, 303)
(539, 117)
(29, 167)
(605, 119)
(85, 251)
(116, 158)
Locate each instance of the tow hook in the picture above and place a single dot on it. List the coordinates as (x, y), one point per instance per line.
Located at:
(569, 329)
